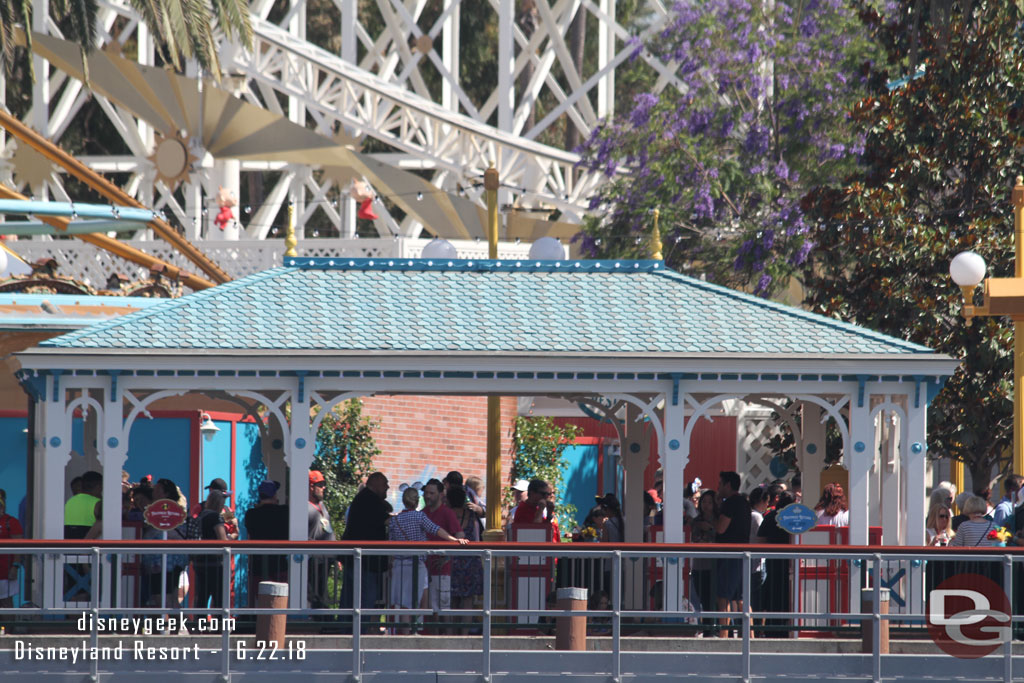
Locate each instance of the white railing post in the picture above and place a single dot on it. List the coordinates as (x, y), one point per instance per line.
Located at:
(487, 606)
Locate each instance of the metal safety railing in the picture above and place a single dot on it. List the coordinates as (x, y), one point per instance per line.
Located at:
(961, 605)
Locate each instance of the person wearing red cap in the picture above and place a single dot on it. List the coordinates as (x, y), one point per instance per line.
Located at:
(320, 529)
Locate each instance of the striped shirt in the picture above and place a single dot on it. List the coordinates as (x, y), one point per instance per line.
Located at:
(972, 534)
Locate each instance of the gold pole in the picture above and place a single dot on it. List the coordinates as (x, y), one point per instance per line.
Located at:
(1017, 197)
(491, 188)
(290, 241)
(956, 477)
(111, 192)
(493, 531)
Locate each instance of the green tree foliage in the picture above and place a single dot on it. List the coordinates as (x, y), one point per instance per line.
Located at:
(941, 152)
(345, 449)
(184, 29)
(539, 444)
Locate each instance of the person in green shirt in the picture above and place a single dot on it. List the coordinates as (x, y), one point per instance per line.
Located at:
(80, 510)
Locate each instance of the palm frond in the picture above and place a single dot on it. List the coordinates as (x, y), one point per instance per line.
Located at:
(201, 36)
(12, 14)
(155, 19)
(233, 19)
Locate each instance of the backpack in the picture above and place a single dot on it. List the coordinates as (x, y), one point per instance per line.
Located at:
(192, 529)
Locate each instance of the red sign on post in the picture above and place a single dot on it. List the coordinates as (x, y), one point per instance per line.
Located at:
(164, 515)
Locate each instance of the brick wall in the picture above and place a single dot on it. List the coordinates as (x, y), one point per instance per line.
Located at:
(427, 436)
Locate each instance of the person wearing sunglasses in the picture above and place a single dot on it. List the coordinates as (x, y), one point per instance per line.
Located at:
(938, 527)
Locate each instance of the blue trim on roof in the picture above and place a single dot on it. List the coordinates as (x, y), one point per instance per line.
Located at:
(458, 265)
(114, 301)
(62, 311)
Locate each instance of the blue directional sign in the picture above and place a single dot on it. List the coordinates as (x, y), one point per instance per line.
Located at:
(797, 518)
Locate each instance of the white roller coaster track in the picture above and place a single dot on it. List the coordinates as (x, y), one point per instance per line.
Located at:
(335, 91)
(381, 94)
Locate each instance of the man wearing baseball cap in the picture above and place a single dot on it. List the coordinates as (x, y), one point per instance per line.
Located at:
(518, 496)
(208, 569)
(320, 529)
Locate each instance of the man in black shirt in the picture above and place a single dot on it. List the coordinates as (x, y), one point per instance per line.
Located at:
(368, 517)
(733, 526)
(267, 521)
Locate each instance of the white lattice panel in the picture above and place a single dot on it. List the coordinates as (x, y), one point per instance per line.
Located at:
(754, 432)
(94, 266)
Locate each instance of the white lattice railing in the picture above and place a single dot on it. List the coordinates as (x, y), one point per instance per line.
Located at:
(93, 266)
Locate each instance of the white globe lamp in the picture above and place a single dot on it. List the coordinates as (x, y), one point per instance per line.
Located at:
(207, 427)
(967, 269)
(440, 249)
(547, 249)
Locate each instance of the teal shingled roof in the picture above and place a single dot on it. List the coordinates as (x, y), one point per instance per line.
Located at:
(480, 306)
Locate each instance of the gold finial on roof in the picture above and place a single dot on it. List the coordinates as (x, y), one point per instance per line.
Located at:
(654, 246)
(290, 241)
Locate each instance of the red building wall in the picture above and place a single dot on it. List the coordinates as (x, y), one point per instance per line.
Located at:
(427, 436)
(712, 447)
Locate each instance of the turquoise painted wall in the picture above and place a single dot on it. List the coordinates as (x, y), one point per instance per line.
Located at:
(580, 479)
(13, 464)
(161, 447)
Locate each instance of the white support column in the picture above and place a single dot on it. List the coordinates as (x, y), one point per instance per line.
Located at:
(674, 454)
(891, 467)
(605, 54)
(54, 447)
(858, 457)
(350, 53)
(450, 55)
(112, 443)
(274, 455)
(636, 449)
(52, 452)
(506, 66)
(349, 17)
(916, 450)
(41, 86)
(299, 456)
(812, 452)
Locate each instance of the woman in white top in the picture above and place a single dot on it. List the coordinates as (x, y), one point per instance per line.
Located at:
(938, 527)
(832, 509)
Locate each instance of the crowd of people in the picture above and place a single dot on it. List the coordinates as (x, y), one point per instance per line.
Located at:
(451, 510)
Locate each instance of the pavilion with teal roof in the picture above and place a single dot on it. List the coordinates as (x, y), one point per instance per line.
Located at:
(319, 331)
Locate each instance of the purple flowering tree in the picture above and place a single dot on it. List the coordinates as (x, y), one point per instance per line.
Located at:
(726, 161)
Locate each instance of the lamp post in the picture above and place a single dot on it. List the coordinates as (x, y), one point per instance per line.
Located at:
(1002, 296)
(207, 427)
(493, 531)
